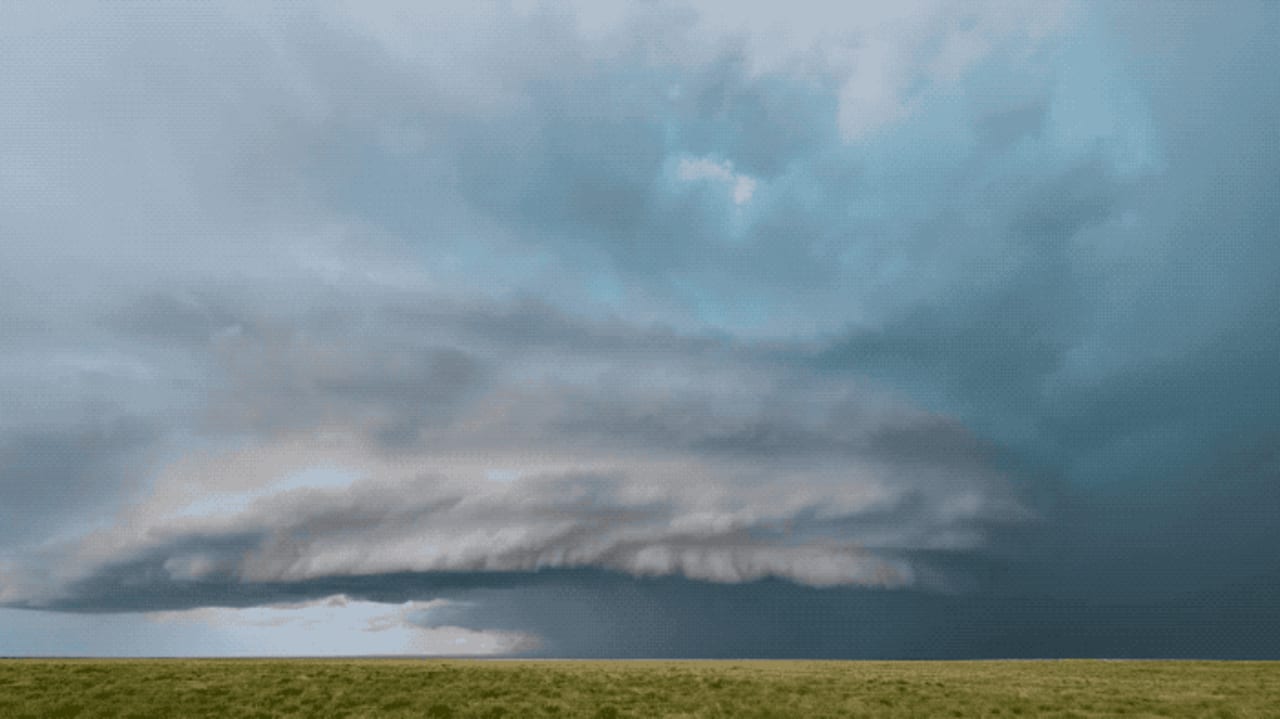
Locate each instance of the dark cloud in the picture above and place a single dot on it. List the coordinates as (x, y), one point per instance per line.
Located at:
(185, 318)
(529, 325)
(650, 340)
(293, 382)
(54, 478)
(670, 617)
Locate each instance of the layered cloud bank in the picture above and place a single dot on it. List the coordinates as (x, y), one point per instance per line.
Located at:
(424, 438)
(832, 329)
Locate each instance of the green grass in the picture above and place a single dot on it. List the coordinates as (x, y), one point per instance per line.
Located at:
(608, 689)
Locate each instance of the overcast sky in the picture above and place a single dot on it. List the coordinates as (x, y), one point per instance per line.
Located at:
(911, 329)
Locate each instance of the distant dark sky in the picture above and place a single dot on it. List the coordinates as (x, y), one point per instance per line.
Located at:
(812, 329)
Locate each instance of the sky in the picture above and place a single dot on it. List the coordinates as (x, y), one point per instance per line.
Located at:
(640, 329)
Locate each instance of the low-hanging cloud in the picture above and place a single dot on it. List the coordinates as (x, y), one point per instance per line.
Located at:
(603, 449)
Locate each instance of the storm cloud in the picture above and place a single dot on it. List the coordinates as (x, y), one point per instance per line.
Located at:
(655, 329)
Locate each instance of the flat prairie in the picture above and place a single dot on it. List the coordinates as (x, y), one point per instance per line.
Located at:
(438, 688)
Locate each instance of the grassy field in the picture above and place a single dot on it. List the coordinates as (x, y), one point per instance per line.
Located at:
(460, 688)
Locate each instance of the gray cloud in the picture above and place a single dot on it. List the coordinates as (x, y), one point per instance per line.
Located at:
(292, 383)
(56, 477)
(566, 313)
(590, 452)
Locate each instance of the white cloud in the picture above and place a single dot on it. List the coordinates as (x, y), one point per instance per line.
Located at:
(894, 63)
(693, 169)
